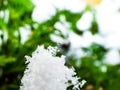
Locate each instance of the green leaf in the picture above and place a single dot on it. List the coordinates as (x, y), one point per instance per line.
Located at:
(94, 27)
(5, 60)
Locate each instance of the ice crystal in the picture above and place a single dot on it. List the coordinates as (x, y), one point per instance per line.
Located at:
(46, 71)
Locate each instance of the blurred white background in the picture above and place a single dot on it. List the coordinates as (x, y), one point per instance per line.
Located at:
(108, 18)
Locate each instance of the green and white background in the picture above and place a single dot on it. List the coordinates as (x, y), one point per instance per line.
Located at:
(88, 34)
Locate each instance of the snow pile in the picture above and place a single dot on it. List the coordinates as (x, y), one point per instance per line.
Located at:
(46, 71)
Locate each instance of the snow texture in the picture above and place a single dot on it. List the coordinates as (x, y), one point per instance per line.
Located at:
(46, 71)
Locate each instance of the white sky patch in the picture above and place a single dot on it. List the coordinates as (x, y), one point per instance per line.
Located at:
(63, 26)
(75, 39)
(85, 21)
(1, 14)
(87, 38)
(108, 17)
(57, 38)
(81, 41)
(112, 57)
(113, 41)
(78, 53)
(5, 15)
(72, 5)
(99, 39)
(45, 9)
(75, 5)
(25, 32)
(42, 13)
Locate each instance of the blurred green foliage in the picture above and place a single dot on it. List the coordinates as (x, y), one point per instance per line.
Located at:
(16, 14)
